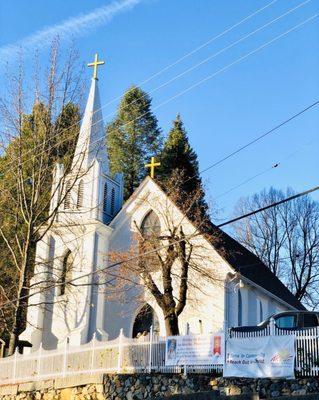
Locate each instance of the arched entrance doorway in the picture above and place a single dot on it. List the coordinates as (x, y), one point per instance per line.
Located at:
(144, 320)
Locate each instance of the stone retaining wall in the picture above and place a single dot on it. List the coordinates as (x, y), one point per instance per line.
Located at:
(266, 388)
(155, 386)
(105, 387)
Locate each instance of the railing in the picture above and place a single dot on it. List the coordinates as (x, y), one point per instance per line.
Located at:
(306, 346)
(121, 355)
(143, 355)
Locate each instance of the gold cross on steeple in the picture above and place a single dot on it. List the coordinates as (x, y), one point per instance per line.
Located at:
(95, 64)
(152, 166)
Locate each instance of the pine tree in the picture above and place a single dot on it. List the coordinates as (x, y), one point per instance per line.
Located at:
(132, 138)
(56, 139)
(179, 167)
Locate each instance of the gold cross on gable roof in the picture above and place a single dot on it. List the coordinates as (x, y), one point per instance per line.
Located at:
(152, 166)
(95, 65)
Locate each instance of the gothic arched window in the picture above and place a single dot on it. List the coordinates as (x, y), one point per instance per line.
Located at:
(67, 198)
(79, 202)
(105, 198)
(144, 320)
(112, 201)
(66, 273)
(151, 224)
(240, 309)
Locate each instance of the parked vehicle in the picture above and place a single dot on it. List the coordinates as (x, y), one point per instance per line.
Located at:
(294, 320)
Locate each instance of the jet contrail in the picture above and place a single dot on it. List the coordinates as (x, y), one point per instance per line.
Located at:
(80, 25)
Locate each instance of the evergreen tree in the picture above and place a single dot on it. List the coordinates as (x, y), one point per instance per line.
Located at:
(56, 139)
(132, 138)
(179, 167)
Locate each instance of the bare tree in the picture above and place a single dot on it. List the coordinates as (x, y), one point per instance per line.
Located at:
(171, 258)
(32, 144)
(286, 238)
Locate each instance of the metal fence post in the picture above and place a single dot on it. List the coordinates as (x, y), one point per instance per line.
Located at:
(150, 350)
(14, 373)
(225, 340)
(39, 361)
(92, 353)
(272, 326)
(119, 361)
(65, 357)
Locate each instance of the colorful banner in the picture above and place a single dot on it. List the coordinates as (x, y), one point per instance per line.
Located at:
(260, 357)
(195, 350)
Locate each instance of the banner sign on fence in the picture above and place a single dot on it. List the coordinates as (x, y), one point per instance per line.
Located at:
(260, 357)
(195, 350)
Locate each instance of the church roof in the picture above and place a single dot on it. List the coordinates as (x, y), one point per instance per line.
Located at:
(91, 141)
(249, 265)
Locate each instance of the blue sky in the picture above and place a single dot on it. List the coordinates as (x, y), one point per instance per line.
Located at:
(225, 111)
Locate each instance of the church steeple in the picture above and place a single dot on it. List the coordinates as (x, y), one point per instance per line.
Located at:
(96, 194)
(91, 141)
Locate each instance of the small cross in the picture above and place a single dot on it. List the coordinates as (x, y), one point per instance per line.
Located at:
(95, 65)
(152, 166)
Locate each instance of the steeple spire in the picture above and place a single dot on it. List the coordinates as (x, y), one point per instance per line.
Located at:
(91, 141)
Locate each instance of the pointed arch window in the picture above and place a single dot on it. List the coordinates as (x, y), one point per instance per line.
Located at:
(67, 198)
(150, 230)
(79, 202)
(66, 273)
(151, 224)
(112, 201)
(105, 198)
(145, 319)
(240, 308)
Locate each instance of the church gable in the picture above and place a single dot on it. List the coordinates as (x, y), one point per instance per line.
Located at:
(150, 211)
(150, 198)
(225, 249)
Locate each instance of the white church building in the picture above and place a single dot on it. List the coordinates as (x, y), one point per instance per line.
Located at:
(92, 222)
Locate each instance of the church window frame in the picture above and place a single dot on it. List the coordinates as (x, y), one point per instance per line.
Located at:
(66, 273)
(67, 196)
(105, 192)
(143, 313)
(149, 222)
(112, 201)
(79, 202)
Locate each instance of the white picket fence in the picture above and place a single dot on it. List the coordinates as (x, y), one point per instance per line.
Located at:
(121, 355)
(143, 355)
(306, 345)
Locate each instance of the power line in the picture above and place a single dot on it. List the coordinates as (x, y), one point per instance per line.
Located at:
(275, 165)
(176, 77)
(215, 74)
(295, 196)
(246, 181)
(257, 139)
(259, 48)
(209, 41)
(211, 57)
(277, 125)
(70, 281)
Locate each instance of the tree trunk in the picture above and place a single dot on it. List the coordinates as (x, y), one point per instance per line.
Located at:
(21, 304)
(171, 324)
